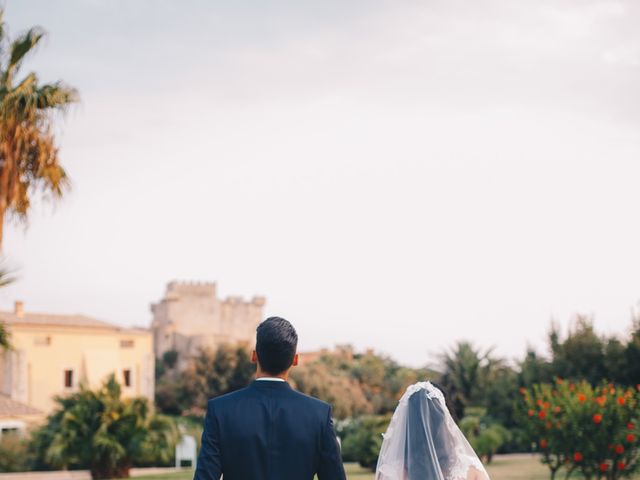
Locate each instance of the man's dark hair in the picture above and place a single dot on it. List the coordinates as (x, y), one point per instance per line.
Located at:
(276, 344)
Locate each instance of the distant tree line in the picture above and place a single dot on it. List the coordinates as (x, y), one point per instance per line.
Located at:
(209, 374)
(354, 383)
(476, 378)
(482, 388)
(484, 393)
(369, 383)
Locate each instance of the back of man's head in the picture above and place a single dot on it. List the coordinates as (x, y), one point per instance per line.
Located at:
(276, 344)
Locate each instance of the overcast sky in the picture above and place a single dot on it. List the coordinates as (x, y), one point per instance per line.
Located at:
(392, 174)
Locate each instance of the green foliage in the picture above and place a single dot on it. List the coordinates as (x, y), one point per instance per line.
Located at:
(471, 379)
(29, 160)
(14, 453)
(466, 373)
(337, 388)
(534, 369)
(384, 381)
(629, 370)
(103, 432)
(370, 384)
(213, 373)
(170, 397)
(170, 358)
(485, 435)
(356, 384)
(210, 374)
(489, 440)
(500, 395)
(5, 342)
(475, 378)
(581, 355)
(590, 429)
(5, 279)
(362, 439)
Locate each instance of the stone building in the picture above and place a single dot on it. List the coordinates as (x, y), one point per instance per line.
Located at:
(191, 316)
(53, 354)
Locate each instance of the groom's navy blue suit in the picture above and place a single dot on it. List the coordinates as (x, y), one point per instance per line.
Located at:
(268, 431)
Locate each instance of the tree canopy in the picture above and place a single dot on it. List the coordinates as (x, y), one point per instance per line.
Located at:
(29, 157)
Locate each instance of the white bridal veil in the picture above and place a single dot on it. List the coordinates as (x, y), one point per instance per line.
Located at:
(423, 441)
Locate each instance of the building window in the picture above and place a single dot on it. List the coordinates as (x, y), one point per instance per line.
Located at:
(126, 343)
(68, 378)
(11, 427)
(43, 341)
(126, 375)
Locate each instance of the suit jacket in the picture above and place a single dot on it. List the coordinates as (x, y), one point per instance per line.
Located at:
(268, 431)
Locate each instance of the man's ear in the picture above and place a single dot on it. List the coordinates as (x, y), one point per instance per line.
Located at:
(254, 357)
(295, 360)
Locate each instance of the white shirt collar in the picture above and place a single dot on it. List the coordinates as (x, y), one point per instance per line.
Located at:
(270, 379)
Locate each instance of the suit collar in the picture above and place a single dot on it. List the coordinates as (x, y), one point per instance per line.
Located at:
(263, 385)
(270, 379)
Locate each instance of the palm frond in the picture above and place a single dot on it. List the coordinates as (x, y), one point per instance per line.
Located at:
(5, 337)
(56, 96)
(19, 49)
(3, 31)
(6, 277)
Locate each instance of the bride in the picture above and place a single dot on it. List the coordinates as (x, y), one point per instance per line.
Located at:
(424, 443)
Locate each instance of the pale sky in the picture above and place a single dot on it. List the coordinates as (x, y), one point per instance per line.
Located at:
(392, 174)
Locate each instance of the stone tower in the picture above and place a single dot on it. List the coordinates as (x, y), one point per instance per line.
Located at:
(191, 316)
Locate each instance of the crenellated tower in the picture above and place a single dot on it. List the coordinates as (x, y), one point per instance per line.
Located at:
(191, 316)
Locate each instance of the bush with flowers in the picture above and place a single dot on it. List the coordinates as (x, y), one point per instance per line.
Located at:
(577, 427)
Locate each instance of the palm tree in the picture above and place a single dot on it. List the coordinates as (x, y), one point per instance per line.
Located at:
(29, 160)
(466, 371)
(104, 432)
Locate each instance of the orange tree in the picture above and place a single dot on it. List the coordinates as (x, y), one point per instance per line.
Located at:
(593, 430)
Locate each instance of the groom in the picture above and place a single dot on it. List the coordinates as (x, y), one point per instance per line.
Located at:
(268, 431)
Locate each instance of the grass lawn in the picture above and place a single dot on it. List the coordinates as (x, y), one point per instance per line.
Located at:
(509, 467)
(506, 467)
(517, 467)
(353, 472)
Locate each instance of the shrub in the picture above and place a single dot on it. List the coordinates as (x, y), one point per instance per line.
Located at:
(103, 432)
(362, 439)
(170, 358)
(489, 440)
(591, 430)
(337, 388)
(14, 453)
(484, 435)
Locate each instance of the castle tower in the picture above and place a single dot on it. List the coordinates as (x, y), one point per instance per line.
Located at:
(191, 316)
